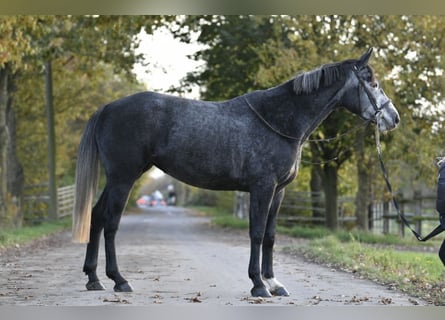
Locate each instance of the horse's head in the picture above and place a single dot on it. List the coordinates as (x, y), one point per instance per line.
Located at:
(365, 98)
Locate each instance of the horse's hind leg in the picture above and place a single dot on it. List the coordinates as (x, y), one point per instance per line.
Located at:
(117, 199)
(275, 287)
(97, 225)
(106, 216)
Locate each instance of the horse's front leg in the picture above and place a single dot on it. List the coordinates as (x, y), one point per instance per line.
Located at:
(275, 287)
(260, 201)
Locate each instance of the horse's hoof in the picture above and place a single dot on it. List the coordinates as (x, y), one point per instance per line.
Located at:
(280, 291)
(95, 285)
(123, 287)
(260, 292)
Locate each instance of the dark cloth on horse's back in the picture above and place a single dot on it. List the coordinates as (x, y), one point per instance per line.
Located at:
(440, 200)
(440, 206)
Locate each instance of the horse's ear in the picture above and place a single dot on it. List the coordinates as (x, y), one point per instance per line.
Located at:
(363, 61)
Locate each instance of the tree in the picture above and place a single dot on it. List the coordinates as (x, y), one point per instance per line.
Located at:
(14, 47)
(30, 41)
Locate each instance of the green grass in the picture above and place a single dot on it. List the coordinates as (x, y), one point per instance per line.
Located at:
(230, 222)
(222, 218)
(26, 234)
(417, 273)
(355, 235)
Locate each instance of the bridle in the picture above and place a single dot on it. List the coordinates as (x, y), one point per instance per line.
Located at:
(371, 98)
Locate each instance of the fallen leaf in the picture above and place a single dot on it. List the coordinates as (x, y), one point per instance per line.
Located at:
(117, 299)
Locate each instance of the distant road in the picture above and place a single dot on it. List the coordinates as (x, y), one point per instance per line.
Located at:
(173, 256)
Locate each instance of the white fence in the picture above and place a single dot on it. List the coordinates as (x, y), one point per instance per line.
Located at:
(65, 200)
(418, 208)
(36, 201)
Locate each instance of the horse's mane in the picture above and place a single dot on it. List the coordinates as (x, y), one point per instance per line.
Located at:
(306, 82)
(324, 76)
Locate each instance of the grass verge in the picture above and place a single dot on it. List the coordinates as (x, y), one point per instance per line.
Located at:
(222, 219)
(420, 274)
(26, 234)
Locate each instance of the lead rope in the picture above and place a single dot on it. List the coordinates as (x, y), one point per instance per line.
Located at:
(433, 233)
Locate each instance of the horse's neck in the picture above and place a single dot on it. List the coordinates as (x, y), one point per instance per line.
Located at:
(321, 108)
(296, 115)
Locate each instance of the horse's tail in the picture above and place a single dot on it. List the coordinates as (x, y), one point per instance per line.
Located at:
(87, 178)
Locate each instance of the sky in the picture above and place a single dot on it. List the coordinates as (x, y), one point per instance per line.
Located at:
(168, 64)
(168, 61)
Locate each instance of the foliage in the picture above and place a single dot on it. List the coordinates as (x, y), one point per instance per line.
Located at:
(74, 102)
(92, 58)
(231, 55)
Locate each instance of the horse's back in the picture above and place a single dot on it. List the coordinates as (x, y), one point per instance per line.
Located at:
(184, 137)
(215, 145)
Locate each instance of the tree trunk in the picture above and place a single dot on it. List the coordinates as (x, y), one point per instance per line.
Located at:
(316, 190)
(52, 189)
(16, 178)
(330, 189)
(316, 185)
(241, 204)
(363, 193)
(4, 142)
(11, 171)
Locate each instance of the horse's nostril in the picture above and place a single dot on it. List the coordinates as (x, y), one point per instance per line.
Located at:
(397, 120)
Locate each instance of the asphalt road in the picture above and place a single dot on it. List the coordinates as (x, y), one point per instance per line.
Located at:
(172, 256)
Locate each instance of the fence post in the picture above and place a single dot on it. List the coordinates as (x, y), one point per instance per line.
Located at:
(418, 210)
(386, 217)
(370, 216)
(51, 142)
(241, 205)
(402, 210)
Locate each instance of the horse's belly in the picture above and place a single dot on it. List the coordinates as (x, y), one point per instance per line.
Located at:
(206, 179)
(205, 169)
